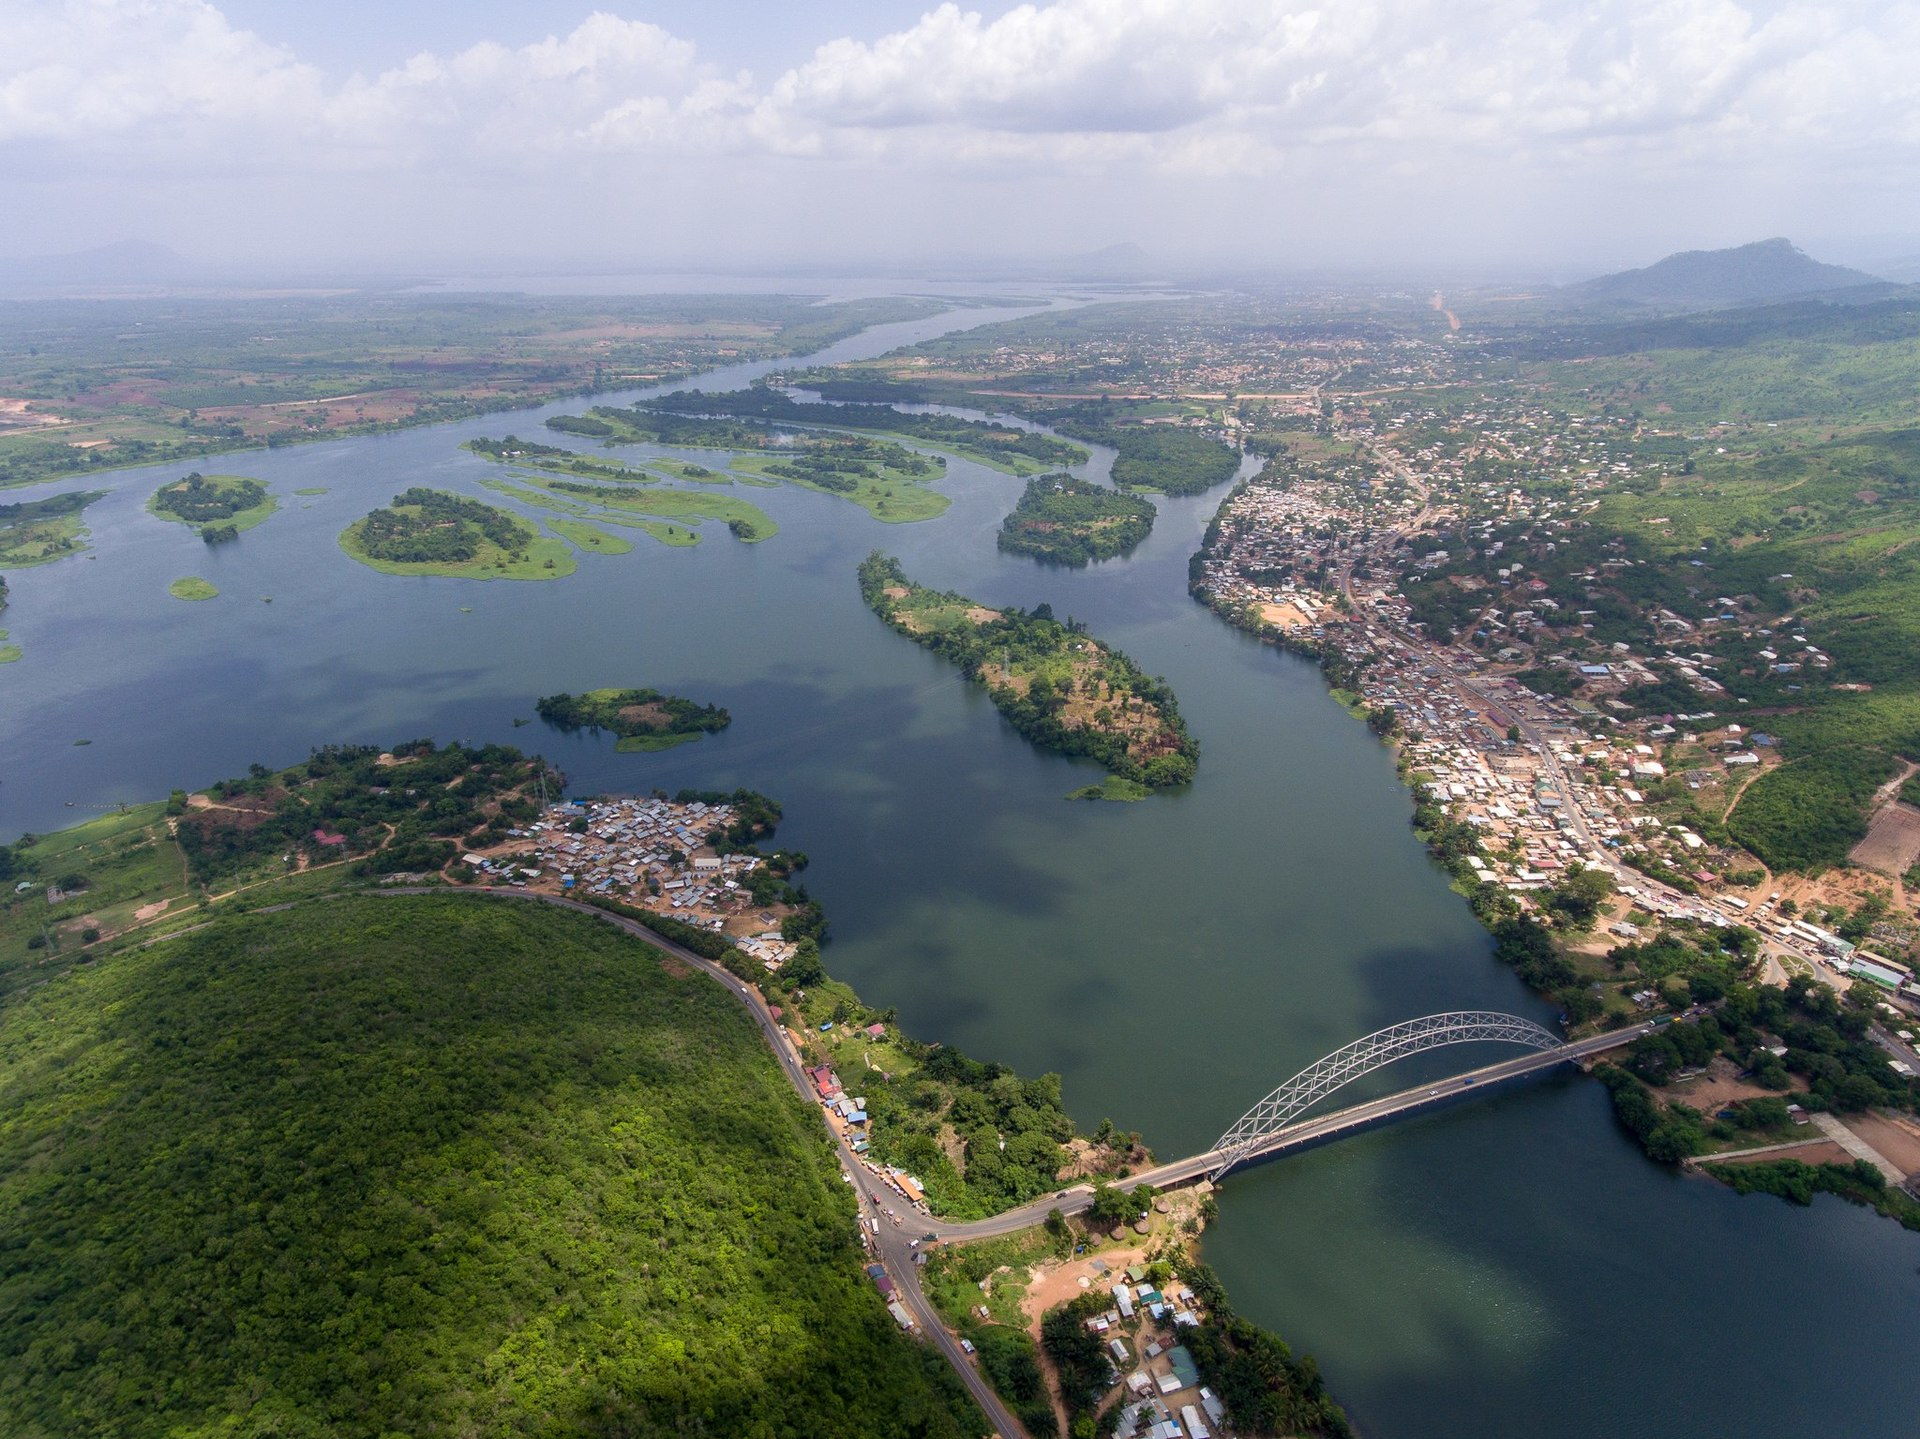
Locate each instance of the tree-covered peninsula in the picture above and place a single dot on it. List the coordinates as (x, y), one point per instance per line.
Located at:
(644, 719)
(1058, 686)
(1073, 521)
(432, 532)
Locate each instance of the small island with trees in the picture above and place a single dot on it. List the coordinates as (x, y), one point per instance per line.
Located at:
(218, 506)
(38, 532)
(1072, 521)
(432, 532)
(643, 719)
(1057, 685)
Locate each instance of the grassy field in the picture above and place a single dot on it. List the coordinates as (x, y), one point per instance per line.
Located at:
(587, 537)
(192, 587)
(748, 521)
(891, 495)
(426, 1166)
(126, 860)
(703, 475)
(679, 536)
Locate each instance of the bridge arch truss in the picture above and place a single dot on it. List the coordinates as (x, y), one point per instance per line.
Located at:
(1362, 1057)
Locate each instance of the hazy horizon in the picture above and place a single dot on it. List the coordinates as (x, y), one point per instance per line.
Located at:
(1522, 137)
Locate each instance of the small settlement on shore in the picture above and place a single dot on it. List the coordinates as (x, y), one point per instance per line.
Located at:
(654, 853)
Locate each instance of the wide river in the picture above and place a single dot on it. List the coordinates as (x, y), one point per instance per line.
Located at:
(1509, 1267)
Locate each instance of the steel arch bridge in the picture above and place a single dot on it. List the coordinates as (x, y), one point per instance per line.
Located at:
(1321, 1078)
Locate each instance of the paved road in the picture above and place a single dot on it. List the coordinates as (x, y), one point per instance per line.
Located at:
(900, 1230)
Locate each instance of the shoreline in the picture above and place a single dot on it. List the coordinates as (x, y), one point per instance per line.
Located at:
(1547, 949)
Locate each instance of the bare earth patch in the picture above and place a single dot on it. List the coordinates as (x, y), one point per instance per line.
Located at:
(1717, 1088)
(1286, 616)
(1892, 842)
(652, 715)
(1893, 1136)
(1818, 1151)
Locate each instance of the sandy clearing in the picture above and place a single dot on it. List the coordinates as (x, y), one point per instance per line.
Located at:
(1286, 615)
(1818, 1151)
(1896, 1137)
(1892, 842)
(1719, 1087)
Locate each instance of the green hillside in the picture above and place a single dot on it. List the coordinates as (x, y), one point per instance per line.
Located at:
(425, 1166)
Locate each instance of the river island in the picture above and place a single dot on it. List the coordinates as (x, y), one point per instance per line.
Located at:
(433, 532)
(1056, 684)
(643, 719)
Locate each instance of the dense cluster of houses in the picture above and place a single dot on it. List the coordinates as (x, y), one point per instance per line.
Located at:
(1315, 559)
(1164, 1396)
(645, 851)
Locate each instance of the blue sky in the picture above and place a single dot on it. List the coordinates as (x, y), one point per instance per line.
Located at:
(756, 34)
(1287, 134)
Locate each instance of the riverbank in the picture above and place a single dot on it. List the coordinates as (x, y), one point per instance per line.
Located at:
(1172, 960)
(1497, 810)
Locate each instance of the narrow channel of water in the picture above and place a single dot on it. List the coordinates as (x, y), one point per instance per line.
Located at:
(1508, 1267)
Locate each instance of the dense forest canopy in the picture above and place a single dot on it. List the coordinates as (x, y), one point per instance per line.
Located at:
(632, 713)
(425, 526)
(200, 500)
(1072, 521)
(428, 1166)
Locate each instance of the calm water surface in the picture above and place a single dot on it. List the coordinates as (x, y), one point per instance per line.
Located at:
(1511, 1267)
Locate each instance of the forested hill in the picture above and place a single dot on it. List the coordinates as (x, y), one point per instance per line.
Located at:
(1702, 279)
(427, 1166)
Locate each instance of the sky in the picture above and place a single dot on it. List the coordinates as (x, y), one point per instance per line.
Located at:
(1284, 135)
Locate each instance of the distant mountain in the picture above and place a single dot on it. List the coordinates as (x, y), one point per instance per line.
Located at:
(129, 262)
(1755, 274)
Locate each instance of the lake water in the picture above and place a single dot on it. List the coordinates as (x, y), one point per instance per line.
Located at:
(1510, 1267)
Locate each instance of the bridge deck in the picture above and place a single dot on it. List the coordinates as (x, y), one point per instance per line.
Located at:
(1215, 1163)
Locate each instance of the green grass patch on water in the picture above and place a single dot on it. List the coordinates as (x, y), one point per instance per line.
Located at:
(1114, 787)
(588, 537)
(192, 587)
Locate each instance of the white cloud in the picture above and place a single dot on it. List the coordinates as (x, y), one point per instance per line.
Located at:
(1231, 83)
(1266, 78)
(1316, 96)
